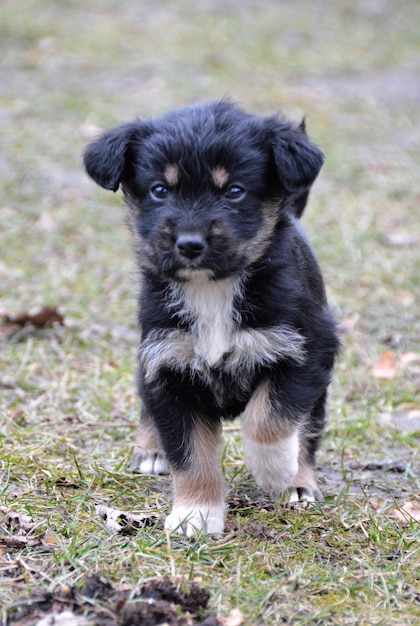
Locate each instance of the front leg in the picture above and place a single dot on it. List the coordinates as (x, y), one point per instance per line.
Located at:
(198, 499)
(190, 440)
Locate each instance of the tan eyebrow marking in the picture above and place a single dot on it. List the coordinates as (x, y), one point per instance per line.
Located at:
(220, 177)
(171, 174)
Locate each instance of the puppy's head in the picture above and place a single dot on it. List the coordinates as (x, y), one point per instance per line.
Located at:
(206, 185)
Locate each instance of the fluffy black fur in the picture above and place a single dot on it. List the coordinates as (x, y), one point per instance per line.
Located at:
(214, 194)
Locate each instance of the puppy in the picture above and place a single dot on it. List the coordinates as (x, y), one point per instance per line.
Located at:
(233, 313)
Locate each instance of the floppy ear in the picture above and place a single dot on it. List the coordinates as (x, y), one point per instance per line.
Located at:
(297, 160)
(105, 158)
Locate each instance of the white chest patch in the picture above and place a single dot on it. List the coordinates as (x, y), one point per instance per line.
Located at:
(209, 307)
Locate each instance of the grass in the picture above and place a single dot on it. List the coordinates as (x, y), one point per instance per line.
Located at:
(68, 408)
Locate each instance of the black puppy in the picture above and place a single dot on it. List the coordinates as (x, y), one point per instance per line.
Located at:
(232, 306)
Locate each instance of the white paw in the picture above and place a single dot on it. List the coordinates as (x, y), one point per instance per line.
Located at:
(190, 520)
(148, 463)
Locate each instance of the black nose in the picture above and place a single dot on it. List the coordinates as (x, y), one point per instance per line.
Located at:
(190, 245)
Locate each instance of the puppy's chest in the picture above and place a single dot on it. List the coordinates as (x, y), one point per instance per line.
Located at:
(212, 340)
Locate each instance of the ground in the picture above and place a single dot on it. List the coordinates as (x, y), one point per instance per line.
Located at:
(68, 408)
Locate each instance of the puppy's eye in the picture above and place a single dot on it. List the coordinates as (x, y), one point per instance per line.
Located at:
(234, 192)
(159, 192)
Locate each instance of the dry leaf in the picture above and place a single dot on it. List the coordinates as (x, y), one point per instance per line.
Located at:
(385, 367)
(40, 317)
(46, 223)
(6, 329)
(409, 357)
(89, 131)
(19, 523)
(235, 618)
(406, 512)
(349, 322)
(66, 481)
(386, 466)
(407, 420)
(401, 238)
(117, 521)
(49, 541)
(64, 618)
(24, 530)
(405, 298)
(10, 541)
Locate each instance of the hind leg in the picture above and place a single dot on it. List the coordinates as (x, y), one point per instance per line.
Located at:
(305, 488)
(280, 452)
(271, 445)
(148, 456)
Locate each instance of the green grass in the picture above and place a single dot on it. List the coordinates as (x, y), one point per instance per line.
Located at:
(68, 407)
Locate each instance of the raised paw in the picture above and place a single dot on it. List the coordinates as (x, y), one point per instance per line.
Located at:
(192, 520)
(142, 463)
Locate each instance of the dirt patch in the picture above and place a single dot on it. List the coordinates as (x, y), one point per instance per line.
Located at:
(98, 602)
